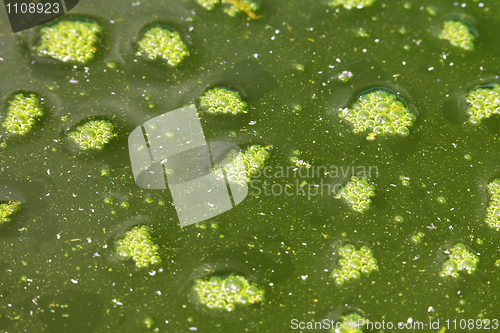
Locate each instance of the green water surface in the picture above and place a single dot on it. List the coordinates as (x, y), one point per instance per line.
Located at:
(58, 272)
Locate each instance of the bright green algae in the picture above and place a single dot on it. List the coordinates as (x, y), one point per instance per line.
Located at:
(232, 7)
(483, 102)
(381, 112)
(222, 101)
(493, 211)
(137, 245)
(162, 43)
(460, 259)
(354, 263)
(458, 33)
(239, 167)
(22, 114)
(7, 210)
(69, 40)
(357, 193)
(225, 293)
(93, 135)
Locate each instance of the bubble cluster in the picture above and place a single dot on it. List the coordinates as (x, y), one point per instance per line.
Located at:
(405, 181)
(354, 263)
(381, 112)
(227, 293)
(357, 193)
(345, 76)
(8, 209)
(352, 323)
(238, 167)
(349, 4)
(203, 226)
(233, 7)
(483, 102)
(222, 100)
(208, 4)
(459, 259)
(22, 114)
(458, 33)
(247, 6)
(69, 40)
(493, 210)
(296, 161)
(136, 244)
(93, 134)
(161, 42)
(417, 238)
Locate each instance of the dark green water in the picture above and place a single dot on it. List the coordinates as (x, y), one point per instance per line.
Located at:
(57, 269)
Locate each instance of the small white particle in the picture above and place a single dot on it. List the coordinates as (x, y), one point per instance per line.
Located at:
(431, 68)
(74, 280)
